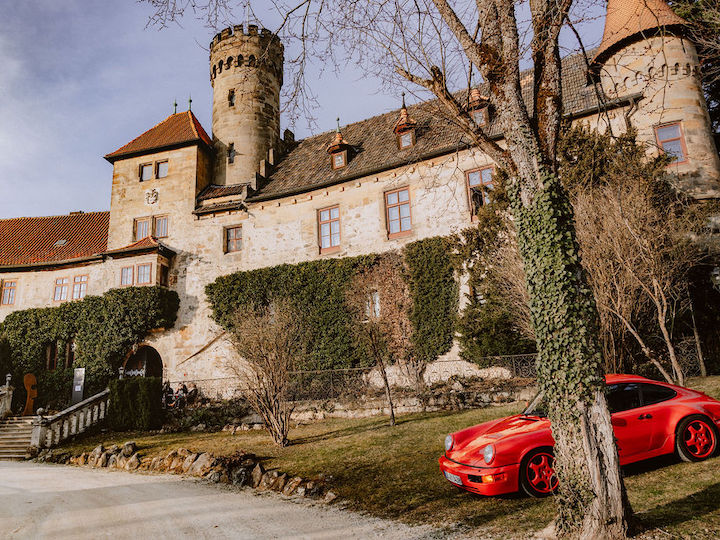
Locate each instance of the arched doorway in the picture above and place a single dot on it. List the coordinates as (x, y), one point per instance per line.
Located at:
(145, 362)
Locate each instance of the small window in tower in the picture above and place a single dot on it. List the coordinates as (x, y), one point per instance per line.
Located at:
(231, 98)
(231, 153)
(670, 139)
(146, 172)
(162, 169)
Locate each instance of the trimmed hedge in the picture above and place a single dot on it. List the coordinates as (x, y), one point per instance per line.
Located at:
(318, 288)
(135, 404)
(103, 329)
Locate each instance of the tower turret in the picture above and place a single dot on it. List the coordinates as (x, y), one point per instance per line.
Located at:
(246, 72)
(645, 55)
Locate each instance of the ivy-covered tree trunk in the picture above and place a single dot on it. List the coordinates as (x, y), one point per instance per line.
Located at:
(592, 501)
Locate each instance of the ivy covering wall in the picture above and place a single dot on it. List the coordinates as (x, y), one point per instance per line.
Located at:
(103, 330)
(318, 289)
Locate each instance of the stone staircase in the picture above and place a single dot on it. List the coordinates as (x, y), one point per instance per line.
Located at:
(15, 435)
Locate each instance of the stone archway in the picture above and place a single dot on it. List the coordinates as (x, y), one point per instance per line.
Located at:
(144, 362)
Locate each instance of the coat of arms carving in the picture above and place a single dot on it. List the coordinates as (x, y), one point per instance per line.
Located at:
(151, 196)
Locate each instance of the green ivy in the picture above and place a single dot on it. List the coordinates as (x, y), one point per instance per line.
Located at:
(318, 289)
(135, 404)
(103, 329)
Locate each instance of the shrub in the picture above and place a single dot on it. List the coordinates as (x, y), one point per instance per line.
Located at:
(135, 404)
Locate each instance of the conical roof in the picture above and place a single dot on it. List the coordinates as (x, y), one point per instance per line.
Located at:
(627, 19)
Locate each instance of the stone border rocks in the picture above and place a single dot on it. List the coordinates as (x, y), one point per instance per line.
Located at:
(240, 469)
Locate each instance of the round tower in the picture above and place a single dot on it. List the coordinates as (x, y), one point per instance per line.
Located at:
(645, 55)
(246, 72)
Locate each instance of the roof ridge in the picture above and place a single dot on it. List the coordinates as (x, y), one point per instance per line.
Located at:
(80, 213)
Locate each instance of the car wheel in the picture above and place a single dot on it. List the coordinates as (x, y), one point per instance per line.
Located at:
(696, 438)
(537, 473)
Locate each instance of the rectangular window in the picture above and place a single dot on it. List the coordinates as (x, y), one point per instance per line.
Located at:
(231, 153)
(329, 227)
(162, 169)
(143, 274)
(51, 356)
(407, 139)
(160, 226)
(8, 292)
(397, 205)
(233, 239)
(479, 185)
(126, 276)
(480, 116)
(164, 275)
(231, 98)
(146, 172)
(339, 160)
(671, 140)
(79, 287)
(62, 286)
(141, 229)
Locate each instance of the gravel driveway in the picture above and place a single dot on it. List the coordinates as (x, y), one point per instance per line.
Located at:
(53, 501)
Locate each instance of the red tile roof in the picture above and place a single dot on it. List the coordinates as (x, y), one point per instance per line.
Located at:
(33, 240)
(178, 129)
(628, 18)
(144, 244)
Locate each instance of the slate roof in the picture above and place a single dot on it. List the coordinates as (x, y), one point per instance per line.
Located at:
(179, 129)
(37, 240)
(628, 18)
(214, 191)
(149, 243)
(307, 165)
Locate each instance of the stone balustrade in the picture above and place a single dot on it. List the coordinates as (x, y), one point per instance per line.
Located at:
(52, 430)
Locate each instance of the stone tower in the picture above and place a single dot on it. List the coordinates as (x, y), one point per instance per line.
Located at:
(246, 72)
(646, 55)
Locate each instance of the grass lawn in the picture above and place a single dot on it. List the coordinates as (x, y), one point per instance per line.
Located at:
(393, 472)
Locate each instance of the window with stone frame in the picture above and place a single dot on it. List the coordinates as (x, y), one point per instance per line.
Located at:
(160, 226)
(231, 98)
(231, 153)
(161, 169)
(233, 239)
(329, 229)
(141, 228)
(127, 276)
(479, 185)
(79, 289)
(397, 209)
(671, 139)
(62, 288)
(7, 296)
(144, 273)
(146, 172)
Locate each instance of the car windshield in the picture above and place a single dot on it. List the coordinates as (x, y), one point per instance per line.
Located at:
(537, 406)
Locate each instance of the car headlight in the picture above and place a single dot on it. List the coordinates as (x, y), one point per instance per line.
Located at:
(488, 453)
(448, 443)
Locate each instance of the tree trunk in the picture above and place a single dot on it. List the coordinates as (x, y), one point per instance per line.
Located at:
(592, 501)
(701, 360)
(381, 365)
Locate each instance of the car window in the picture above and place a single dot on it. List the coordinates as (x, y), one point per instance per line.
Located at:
(654, 393)
(623, 397)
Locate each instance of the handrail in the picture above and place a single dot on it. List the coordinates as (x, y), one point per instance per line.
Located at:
(76, 407)
(52, 430)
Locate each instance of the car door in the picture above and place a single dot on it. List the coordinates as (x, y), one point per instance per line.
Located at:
(657, 412)
(631, 430)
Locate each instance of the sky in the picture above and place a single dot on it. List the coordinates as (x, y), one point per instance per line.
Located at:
(80, 78)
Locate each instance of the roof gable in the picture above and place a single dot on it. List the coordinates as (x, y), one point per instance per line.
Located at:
(34, 240)
(178, 129)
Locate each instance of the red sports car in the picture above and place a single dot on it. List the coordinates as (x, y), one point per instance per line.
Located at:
(650, 419)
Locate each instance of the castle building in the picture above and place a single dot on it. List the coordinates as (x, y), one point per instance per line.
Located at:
(187, 207)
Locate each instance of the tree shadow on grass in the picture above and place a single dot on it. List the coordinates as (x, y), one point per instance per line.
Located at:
(679, 511)
(650, 465)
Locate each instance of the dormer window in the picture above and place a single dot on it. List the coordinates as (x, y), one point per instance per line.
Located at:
(405, 128)
(479, 108)
(339, 160)
(481, 116)
(231, 98)
(338, 150)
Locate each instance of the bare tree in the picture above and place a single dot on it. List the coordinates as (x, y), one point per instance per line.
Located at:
(268, 340)
(379, 300)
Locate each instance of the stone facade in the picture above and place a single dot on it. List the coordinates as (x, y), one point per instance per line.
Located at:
(648, 83)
